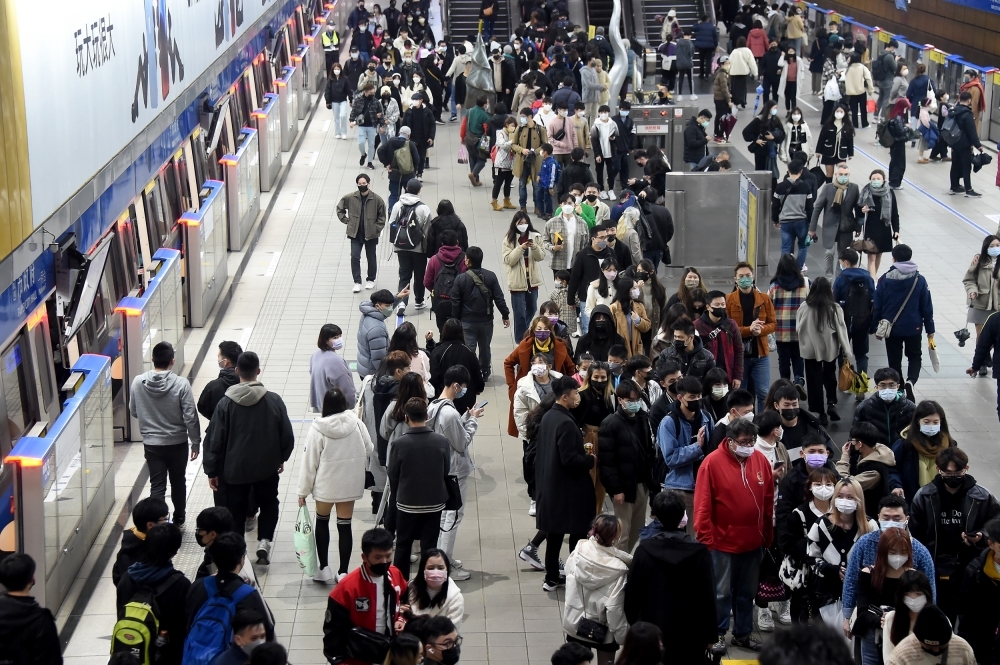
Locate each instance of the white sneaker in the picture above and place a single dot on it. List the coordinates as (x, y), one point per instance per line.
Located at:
(693, 98)
(340, 577)
(532, 509)
(805, 269)
(357, 288)
(460, 574)
(369, 284)
(414, 557)
(784, 613)
(264, 552)
(611, 194)
(420, 305)
(324, 576)
(765, 623)
(456, 563)
(576, 334)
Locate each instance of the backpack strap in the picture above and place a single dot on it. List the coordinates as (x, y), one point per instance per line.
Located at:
(242, 593)
(167, 583)
(912, 289)
(211, 586)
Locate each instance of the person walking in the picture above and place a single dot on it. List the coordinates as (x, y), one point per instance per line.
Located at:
(364, 213)
(591, 87)
(916, 450)
(328, 369)
(446, 220)
(373, 337)
(476, 123)
(332, 471)
(538, 338)
(528, 140)
(625, 143)
(604, 139)
(564, 237)
(787, 292)
(982, 287)
(857, 86)
(798, 137)
(753, 312)
(213, 391)
(723, 97)
(450, 351)
(522, 250)
(966, 120)
(163, 404)
(531, 389)
(28, 631)
(252, 438)
(854, 290)
(742, 70)
(629, 315)
(400, 157)
(835, 143)
(765, 135)
(420, 119)
(791, 211)
(337, 95)
(562, 471)
(979, 601)
(877, 209)
(706, 41)
(473, 296)
(682, 436)
(899, 131)
(683, 65)
(836, 202)
(410, 219)
(439, 278)
(822, 337)
(720, 335)
(885, 69)
(503, 164)
(366, 115)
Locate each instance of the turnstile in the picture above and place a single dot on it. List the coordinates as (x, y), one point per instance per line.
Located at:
(288, 106)
(242, 188)
(663, 126)
(303, 64)
(64, 482)
(206, 258)
(268, 120)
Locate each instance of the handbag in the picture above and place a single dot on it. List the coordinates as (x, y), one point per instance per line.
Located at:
(771, 591)
(463, 154)
(366, 645)
(864, 244)
(591, 630)
(454, 501)
(791, 575)
(884, 328)
(846, 377)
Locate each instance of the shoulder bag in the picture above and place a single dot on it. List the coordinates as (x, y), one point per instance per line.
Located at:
(884, 328)
(864, 244)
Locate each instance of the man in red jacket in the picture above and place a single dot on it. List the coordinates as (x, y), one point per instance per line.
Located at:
(734, 518)
(368, 598)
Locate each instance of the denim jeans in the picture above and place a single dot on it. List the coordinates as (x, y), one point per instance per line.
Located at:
(584, 318)
(480, 334)
(871, 653)
(522, 192)
(655, 256)
(340, 111)
(543, 201)
(791, 232)
(394, 189)
(366, 142)
(369, 246)
(736, 577)
(476, 162)
(523, 305)
(757, 379)
(790, 362)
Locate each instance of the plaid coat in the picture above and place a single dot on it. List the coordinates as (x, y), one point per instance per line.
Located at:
(786, 307)
(563, 260)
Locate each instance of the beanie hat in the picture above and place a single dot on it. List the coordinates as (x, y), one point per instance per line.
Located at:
(932, 627)
(404, 131)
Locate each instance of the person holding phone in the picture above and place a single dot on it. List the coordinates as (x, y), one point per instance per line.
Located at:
(522, 252)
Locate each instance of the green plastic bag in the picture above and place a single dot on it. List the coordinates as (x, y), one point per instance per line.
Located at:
(305, 543)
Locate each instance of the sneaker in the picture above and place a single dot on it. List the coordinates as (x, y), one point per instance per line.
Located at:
(457, 563)
(361, 162)
(973, 194)
(693, 98)
(250, 525)
(895, 187)
(439, 122)
(784, 613)
(453, 118)
(324, 576)
(953, 192)
(357, 288)
(179, 519)
(719, 647)
(548, 585)
(370, 284)
(805, 269)
(532, 508)
(371, 166)
(908, 389)
(576, 334)
(264, 552)
(611, 194)
(340, 577)
(765, 622)
(460, 574)
(420, 305)
(831, 410)
(401, 310)
(749, 642)
(982, 371)
(529, 553)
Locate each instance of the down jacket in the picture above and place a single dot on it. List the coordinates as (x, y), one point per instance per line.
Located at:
(525, 399)
(337, 450)
(595, 589)
(625, 454)
(373, 339)
(888, 418)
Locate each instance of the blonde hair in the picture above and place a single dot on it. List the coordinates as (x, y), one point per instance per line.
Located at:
(630, 214)
(860, 515)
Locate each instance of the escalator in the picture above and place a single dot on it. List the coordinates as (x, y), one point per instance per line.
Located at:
(461, 18)
(600, 12)
(687, 15)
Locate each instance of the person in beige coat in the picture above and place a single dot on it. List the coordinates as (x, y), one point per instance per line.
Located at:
(629, 315)
(822, 335)
(522, 252)
(742, 71)
(858, 85)
(528, 138)
(982, 288)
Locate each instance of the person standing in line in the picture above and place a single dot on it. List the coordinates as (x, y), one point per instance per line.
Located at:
(822, 338)
(854, 290)
(146, 514)
(682, 436)
(565, 236)
(604, 138)
(835, 143)
(720, 335)
(419, 465)
(458, 428)
(338, 96)
(333, 469)
(931, 641)
(328, 369)
(884, 69)
(771, 64)
(791, 211)
(252, 438)
(787, 292)
(706, 41)
(364, 213)
(723, 98)
(734, 529)
(522, 251)
(836, 201)
(966, 119)
(28, 631)
(473, 296)
(366, 115)
(528, 140)
(163, 404)
(400, 157)
(696, 138)
(229, 353)
(857, 86)
(877, 208)
(753, 312)
(910, 305)
(979, 601)
(565, 488)
(410, 210)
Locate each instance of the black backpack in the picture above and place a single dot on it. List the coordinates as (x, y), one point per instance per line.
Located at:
(879, 71)
(951, 133)
(405, 233)
(443, 282)
(858, 306)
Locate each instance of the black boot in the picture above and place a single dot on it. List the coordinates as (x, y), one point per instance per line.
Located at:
(376, 500)
(831, 410)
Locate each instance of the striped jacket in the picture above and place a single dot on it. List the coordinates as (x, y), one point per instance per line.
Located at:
(786, 307)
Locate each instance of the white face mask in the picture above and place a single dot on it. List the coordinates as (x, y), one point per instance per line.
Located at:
(684, 521)
(416, 79)
(522, 227)
(539, 370)
(748, 416)
(720, 391)
(562, 113)
(839, 115)
(547, 107)
(337, 343)
(822, 492)
(890, 524)
(846, 506)
(796, 117)
(635, 293)
(930, 430)
(888, 394)
(603, 116)
(744, 451)
(896, 561)
(610, 275)
(915, 604)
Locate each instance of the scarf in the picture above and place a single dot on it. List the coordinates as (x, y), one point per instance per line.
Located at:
(927, 448)
(543, 348)
(868, 199)
(838, 198)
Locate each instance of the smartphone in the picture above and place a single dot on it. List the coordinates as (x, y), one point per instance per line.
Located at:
(482, 404)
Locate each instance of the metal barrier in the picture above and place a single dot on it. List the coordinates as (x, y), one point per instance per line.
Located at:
(288, 103)
(242, 173)
(303, 64)
(205, 259)
(663, 126)
(268, 120)
(155, 316)
(64, 482)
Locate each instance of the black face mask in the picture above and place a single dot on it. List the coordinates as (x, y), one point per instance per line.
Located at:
(601, 327)
(451, 656)
(679, 345)
(379, 569)
(699, 310)
(363, 188)
(719, 312)
(643, 276)
(199, 539)
(790, 414)
(672, 388)
(599, 386)
(591, 197)
(953, 482)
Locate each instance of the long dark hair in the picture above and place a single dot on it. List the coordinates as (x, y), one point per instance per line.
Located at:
(512, 233)
(926, 408)
(668, 318)
(658, 292)
(405, 339)
(789, 265)
(846, 120)
(821, 297)
(765, 112)
(984, 256)
(683, 293)
(642, 645)
(911, 580)
(418, 587)
(411, 385)
(602, 281)
(623, 295)
(534, 417)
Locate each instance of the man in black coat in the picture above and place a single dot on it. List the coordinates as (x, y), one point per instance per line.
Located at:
(472, 301)
(688, 351)
(587, 268)
(252, 438)
(27, 630)
(423, 130)
(146, 514)
(671, 583)
(988, 349)
(577, 172)
(979, 602)
(696, 138)
(566, 502)
(886, 408)
(961, 150)
(229, 352)
(625, 456)
(662, 224)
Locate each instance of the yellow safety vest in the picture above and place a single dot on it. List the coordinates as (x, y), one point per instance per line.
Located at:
(330, 40)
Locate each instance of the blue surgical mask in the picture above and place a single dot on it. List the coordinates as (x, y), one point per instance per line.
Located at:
(993, 251)
(623, 113)
(930, 430)
(888, 394)
(632, 407)
(461, 392)
(774, 111)
(844, 179)
(744, 282)
(876, 184)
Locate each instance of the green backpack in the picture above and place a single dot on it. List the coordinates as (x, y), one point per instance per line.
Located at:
(138, 630)
(402, 159)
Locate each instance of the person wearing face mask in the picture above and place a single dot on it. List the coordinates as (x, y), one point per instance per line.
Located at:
(530, 391)
(363, 38)
(900, 84)
(368, 598)
(358, 15)
(420, 119)
(979, 602)
(373, 337)
(682, 437)
(537, 338)
(918, 446)
(565, 236)
(769, 444)
(248, 633)
(753, 312)
(947, 516)
(364, 213)
(602, 290)
(879, 216)
(823, 338)
(688, 351)
(332, 471)
(738, 403)
(931, 642)
(328, 369)
(720, 336)
(835, 142)
(562, 135)
(696, 138)
(433, 591)
(734, 518)
(813, 454)
(769, 434)
(624, 144)
(574, 173)
(887, 408)
(604, 138)
(982, 287)
(522, 251)
(338, 95)
(602, 335)
(228, 353)
(766, 135)
(586, 268)
(837, 202)
(871, 463)
(715, 388)
(797, 137)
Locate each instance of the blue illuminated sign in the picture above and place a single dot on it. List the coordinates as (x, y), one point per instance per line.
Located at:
(27, 292)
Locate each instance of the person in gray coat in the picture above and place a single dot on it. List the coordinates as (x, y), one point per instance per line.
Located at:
(373, 338)
(364, 213)
(836, 202)
(412, 261)
(684, 63)
(591, 88)
(328, 369)
(164, 406)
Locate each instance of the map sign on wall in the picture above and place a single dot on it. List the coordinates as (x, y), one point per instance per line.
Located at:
(96, 74)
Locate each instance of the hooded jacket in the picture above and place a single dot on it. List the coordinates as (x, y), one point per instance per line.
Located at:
(446, 254)
(336, 455)
(676, 437)
(133, 549)
(439, 225)
(526, 398)
(889, 418)
(890, 294)
(723, 341)
(979, 506)
(734, 502)
(373, 339)
(697, 362)
(625, 454)
(586, 268)
(170, 602)
(595, 589)
(423, 218)
(164, 404)
(251, 435)
(595, 345)
(966, 120)
(28, 634)
(873, 472)
(215, 390)
(842, 285)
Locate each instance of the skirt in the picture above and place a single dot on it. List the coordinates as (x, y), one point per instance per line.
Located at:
(978, 317)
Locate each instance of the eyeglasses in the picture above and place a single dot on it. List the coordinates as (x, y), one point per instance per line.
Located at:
(745, 442)
(449, 644)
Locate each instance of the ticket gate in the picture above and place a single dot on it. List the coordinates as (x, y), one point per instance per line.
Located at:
(206, 259)
(663, 126)
(64, 481)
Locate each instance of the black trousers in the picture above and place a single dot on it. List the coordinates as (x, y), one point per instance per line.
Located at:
(961, 168)
(528, 466)
(414, 526)
(553, 543)
(370, 247)
(897, 163)
(859, 107)
(791, 91)
(164, 461)
(681, 75)
(219, 498)
(721, 109)
(502, 177)
(705, 62)
(265, 492)
(411, 271)
(821, 375)
(894, 352)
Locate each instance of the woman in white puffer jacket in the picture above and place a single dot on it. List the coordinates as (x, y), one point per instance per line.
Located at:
(596, 573)
(333, 471)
